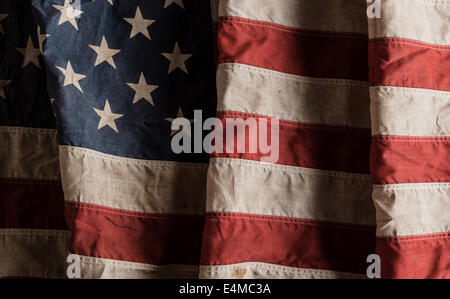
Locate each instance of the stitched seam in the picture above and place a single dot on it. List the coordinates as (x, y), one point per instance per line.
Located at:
(278, 27)
(112, 211)
(263, 218)
(289, 123)
(412, 186)
(385, 240)
(412, 139)
(392, 91)
(404, 41)
(294, 169)
(284, 76)
(123, 160)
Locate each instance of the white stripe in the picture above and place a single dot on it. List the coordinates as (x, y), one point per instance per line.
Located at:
(324, 15)
(28, 153)
(131, 184)
(250, 89)
(423, 20)
(412, 209)
(33, 253)
(410, 111)
(100, 268)
(244, 186)
(269, 271)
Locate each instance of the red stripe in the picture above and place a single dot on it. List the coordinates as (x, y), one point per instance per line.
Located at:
(136, 237)
(231, 238)
(402, 62)
(396, 159)
(312, 146)
(418, 257)
(31, 204)
(293, 51)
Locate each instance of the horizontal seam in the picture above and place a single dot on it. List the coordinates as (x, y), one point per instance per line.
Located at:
(409, 42)
(429, 186)
(113, 211)
(392, 90)
(423, 139)
(405, 84)
(416, 229)
(297, 78)
(124, 160)
(290, 266)
(290, 123)
(265, 266)
(435, 2)
(279, 167)
(404, 239)
(295, 117)
(134, 206)
(276, 69)
(283, 28)
(228, 215)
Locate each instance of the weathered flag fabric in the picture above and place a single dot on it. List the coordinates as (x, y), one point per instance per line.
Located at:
(310, 214)
(410, 155)
(356, 102)
(33, 231)
(120, 72)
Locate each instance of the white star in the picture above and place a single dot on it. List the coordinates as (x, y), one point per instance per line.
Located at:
(139, 24)
(41, 38)
(2, 16)
(104, 53)
(3, 83)
(107, 118)
(170, 2)
(143, 91)
(30, 53)
(177, 59)
(70, 76)
(68, 14)
(179, 115)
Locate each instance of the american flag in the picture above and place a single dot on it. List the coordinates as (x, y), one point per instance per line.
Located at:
(89, 90)
(33, 231)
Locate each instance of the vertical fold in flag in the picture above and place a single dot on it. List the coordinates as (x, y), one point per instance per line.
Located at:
(121, 72)
(410, 99)
(33, 232)
(310, 214)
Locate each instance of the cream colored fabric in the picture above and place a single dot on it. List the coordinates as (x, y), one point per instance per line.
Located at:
(410, 111)
(96, 268)
(424, 20)
(412, 209)
(27, 153)
(339, 15)
(33, 253)
(269, 271)
(244, 186)
(251, 89)
(137, 185)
